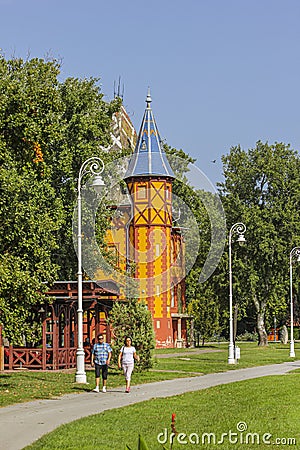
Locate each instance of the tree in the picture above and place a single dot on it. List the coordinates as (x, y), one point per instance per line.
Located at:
(205, 312)
(30, 212)
(203, 229)
(262, 190)
(133, 319)
(47, 129)
(85, 132)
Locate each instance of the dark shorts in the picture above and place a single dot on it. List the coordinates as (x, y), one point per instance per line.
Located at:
(103, 368)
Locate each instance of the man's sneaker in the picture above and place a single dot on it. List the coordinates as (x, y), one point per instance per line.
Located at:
(96, 389)
(104, 389)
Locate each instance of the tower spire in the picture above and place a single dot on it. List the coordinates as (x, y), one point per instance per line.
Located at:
(149, 157)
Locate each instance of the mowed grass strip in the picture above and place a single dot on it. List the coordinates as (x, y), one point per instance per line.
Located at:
(256, 414)
(216, 361)
(26, 385)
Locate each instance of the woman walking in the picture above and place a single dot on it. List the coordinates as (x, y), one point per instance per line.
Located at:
(126, 360)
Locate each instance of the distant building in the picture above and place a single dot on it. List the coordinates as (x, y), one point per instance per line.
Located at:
(123, 132)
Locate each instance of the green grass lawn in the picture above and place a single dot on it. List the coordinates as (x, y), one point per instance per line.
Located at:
(254, 414)
(251, 355)
(21, 386)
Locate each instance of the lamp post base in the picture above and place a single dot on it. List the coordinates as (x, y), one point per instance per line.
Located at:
(80, 376)
(231, 358)
(292, 350)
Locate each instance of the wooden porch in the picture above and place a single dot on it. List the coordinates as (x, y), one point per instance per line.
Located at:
(57, 349)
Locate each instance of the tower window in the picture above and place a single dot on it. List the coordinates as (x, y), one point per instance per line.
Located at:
(168, 193)
(143, 146)
(141, 191)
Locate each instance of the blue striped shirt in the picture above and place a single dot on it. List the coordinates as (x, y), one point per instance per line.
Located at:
(100, 352)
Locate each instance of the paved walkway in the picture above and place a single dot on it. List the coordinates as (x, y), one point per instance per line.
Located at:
(22, 424)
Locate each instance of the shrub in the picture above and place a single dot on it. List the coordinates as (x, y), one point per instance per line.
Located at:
(133, 319)
(252, 337)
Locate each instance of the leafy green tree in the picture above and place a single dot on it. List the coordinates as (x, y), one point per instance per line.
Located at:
(262, 190)
(202, 288)
(86, 121)
(205, 311)
(47, 129)
(133, 319)
(201, 221)
(30, 212)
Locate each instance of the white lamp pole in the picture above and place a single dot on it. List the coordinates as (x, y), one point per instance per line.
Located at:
(240, 229)
(295, 252)
(93, 166)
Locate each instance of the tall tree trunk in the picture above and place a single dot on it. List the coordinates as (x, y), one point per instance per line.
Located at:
(260, 309)
(262, 334)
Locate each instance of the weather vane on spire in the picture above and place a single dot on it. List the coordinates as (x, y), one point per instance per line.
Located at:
(148, 99)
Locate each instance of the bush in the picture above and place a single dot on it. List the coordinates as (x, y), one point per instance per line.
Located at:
(250, 337)
(133, 319)
(296, 332)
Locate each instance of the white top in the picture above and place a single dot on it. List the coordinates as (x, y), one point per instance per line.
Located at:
(127, 354)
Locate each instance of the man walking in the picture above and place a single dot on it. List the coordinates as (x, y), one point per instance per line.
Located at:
(101, 356)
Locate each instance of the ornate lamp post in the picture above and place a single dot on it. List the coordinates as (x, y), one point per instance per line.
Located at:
(238, 228)
(93, 166)
(294, 254)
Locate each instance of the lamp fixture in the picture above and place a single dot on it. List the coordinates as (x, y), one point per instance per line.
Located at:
(98, 184)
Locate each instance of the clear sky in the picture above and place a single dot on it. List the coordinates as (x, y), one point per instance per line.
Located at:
(221, 72)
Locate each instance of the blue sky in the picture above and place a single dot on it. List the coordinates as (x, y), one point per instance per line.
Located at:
(221, 72)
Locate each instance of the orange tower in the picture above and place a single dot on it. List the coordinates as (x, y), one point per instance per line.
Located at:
(149, 180)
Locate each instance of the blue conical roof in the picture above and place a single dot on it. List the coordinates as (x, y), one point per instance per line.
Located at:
(149, 158)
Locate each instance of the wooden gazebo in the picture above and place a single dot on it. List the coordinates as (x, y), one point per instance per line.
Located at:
(59, 326)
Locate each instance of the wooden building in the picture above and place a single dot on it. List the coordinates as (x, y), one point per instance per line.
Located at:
(58, 347)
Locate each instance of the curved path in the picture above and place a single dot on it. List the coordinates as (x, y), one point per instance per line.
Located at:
(22, 424)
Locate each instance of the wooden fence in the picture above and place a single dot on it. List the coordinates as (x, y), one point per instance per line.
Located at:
(42, 358)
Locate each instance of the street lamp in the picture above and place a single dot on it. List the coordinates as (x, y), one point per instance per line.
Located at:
(238, 228)
(295, 253)
(93, 166)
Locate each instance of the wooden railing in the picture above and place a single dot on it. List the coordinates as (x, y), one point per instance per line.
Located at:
(39, 358)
